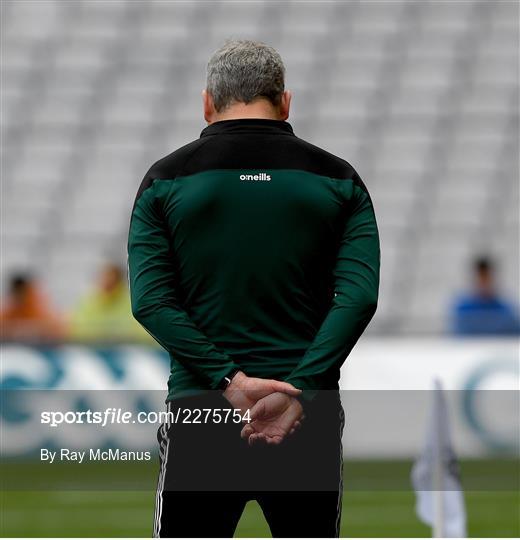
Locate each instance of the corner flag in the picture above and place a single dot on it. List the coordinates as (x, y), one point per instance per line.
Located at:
(435, 476)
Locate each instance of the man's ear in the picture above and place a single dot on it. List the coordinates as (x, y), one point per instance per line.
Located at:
(209, 107)
(285, 104)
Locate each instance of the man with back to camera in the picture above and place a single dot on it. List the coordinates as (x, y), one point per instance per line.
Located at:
(254, 261)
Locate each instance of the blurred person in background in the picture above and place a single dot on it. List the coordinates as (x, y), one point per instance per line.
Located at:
(104, 314)
(26, 313)
(483, 311)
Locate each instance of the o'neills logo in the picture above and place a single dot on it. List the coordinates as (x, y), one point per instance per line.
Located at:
(260, 177)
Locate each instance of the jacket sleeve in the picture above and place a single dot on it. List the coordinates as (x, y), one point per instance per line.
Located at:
(356, 283)
(155, 302)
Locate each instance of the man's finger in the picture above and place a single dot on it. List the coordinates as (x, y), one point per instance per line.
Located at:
(286, 388)
(247, 430)
(257, 410)
(274, 440)
(256, 437)
(296, 426)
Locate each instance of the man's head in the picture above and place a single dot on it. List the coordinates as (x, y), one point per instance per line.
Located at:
(484, 270)
(111, 277)
(245, 79)
(20, 286)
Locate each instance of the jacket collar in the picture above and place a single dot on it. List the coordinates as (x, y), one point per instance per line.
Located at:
(248, 125)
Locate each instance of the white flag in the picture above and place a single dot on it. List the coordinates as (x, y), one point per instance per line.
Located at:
(435, 476)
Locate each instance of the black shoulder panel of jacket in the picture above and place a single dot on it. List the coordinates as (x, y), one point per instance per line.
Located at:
(269, 144)
(171, 165)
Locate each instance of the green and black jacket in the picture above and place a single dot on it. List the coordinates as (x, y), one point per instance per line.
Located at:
(250, 248)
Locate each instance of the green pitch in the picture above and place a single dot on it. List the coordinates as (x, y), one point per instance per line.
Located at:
(375, 513)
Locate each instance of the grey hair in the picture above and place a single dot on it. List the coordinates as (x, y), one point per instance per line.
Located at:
(242, 71)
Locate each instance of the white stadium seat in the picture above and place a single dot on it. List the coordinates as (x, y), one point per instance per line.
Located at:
(419, 96)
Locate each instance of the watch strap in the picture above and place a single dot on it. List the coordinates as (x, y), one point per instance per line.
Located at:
(226, 380)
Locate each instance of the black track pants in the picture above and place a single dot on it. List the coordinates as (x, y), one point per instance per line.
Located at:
(208, 474)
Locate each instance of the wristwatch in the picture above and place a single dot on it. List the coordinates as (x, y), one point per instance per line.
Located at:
(226, 380)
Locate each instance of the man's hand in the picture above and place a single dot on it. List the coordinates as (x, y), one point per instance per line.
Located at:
(273, 418)
(243, 392)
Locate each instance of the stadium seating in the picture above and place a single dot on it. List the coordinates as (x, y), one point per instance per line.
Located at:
(421, 97)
